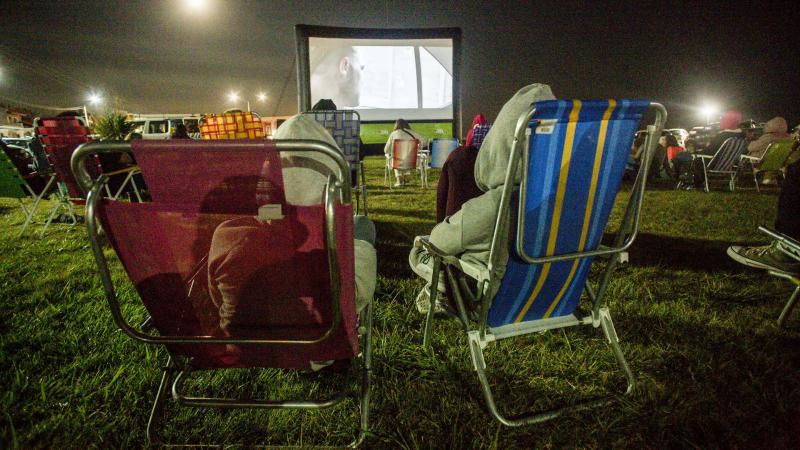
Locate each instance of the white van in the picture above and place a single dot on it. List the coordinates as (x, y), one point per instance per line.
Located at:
(161, 126)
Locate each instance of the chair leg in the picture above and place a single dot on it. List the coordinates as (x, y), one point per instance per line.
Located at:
(611, 334)
(479, 364)
(787, 310)
(705, 176)
(38, 199)
(365, 378)
(434, 293)
(156, 414)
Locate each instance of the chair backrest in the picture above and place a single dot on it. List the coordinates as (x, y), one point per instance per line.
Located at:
(775, 156)
(208, 258)
(479, 133)
(232, 125)
(60, 136)
(345, 127)
(727, 156)
(574, 161)
(441, 149)
(11, 183)
(404, 154)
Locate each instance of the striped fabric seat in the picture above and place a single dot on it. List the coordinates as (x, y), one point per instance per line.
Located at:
(725, 159)
(577, 153)
(345, 127)
(479, 133)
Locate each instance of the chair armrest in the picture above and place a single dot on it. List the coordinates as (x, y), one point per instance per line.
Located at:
(748, 157)
(703, 156)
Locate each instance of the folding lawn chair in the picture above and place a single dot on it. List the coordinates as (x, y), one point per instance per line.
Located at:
(345, 127)
(233, 124)
(791, 248)
(231, 275)
(440, 150)
(772, 161)
(60, 136)
(724, 161)
(479, 133)
(13, 185)
(405, 154)
(573, 154)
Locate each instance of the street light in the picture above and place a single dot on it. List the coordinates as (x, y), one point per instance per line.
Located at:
(94, 99)
(708, 111)
(234, 97)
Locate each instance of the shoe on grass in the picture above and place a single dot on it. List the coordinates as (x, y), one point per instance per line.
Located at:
(423, 301)
(769, 257)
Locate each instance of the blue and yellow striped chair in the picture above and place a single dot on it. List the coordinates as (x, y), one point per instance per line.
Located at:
(573, 155)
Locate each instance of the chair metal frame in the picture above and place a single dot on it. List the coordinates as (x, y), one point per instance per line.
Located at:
(474, 322)
(791, 248)
(27, 191)
(708, 160)
(337, 189)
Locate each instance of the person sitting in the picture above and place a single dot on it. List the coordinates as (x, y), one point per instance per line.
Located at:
(691, 174)
(180, 132)
(775, 129)
(304, 178)
(457, 180)
(402, 131)
(787, 222)
(467, 233)
(478, 120)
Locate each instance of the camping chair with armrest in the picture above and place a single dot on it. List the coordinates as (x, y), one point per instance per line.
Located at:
(573, 155)
(231, 275)
(345, 127)
(405, 153)
(14, 185)
(791, 248)
(440, 150)
(723, 162)
(60, 136)
(772, 161)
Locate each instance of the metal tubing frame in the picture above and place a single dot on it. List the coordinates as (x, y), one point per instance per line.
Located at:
(171, 379)
(342, 186)
(36, 200)
(785, 241)
(478, 338)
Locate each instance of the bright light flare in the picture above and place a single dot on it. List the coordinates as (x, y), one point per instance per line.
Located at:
(95, 98)
(262, 97)
(233, 97)
(709, 110)
(198, 6)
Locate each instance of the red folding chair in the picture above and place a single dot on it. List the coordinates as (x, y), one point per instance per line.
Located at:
(404, 157)
(60, 136)
(231, 275)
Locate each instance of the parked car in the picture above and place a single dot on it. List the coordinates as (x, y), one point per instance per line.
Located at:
(680, 134)
(162, 126)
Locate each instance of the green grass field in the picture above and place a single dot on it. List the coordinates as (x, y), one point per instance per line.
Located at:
(698, 330)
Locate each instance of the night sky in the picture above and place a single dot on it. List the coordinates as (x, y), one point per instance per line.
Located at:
(160, 56)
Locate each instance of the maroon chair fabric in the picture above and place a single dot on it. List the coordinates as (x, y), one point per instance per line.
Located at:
(60, 136)
(205, 261)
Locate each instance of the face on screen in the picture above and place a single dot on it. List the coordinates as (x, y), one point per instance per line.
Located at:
(382, 78)
(337, 76)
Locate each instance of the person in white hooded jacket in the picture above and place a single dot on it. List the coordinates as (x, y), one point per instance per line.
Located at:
(468, 232)
(304, 177)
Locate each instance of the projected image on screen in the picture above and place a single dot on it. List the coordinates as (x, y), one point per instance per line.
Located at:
(384, 79)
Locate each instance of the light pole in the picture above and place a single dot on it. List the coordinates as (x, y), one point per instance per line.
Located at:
(234, 97)
(94, 99)
(708, 111)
